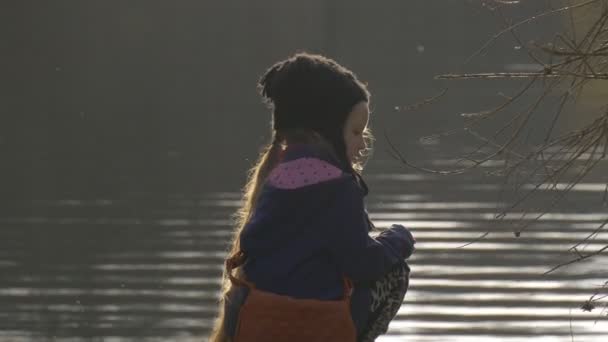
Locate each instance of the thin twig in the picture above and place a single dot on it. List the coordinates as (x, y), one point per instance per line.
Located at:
(523, 22)
(421, 103)
(576, 260)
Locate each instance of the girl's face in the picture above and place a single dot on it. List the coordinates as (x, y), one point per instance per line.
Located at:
(355, 125)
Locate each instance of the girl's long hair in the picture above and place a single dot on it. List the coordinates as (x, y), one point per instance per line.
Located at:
(256, 176)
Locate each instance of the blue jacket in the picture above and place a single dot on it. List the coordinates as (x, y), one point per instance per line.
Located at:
(308, 230)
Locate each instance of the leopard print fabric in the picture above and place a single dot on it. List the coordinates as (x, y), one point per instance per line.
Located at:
(387, 297)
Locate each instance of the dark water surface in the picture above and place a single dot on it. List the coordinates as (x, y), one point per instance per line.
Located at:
(146, 268)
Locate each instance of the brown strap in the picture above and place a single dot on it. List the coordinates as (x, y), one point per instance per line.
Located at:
(348, 287)
(239, 260)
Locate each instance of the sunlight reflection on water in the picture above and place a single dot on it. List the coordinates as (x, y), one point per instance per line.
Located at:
(492, 290)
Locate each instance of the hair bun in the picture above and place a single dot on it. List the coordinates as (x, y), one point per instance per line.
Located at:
(289, 76)
(268, 83)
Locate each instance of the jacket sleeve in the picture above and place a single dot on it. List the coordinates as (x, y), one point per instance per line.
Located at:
(359, 256)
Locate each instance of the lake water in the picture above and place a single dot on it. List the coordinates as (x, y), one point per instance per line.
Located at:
(146, 267)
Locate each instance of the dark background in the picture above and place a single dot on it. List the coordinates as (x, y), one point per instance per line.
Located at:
(111, 97)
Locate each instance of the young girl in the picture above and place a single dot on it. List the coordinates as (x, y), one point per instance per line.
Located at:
(303, 228)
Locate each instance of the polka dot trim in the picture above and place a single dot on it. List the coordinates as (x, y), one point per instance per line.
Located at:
(302, 172)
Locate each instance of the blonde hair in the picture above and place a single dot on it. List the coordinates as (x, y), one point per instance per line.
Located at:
(359, 164)
(256, 177)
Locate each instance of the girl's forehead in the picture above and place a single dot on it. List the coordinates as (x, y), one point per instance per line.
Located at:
(360, 113)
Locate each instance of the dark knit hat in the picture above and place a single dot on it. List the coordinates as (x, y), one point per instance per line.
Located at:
(312, 92)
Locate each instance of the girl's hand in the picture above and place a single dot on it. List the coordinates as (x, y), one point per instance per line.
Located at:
(411, 240)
